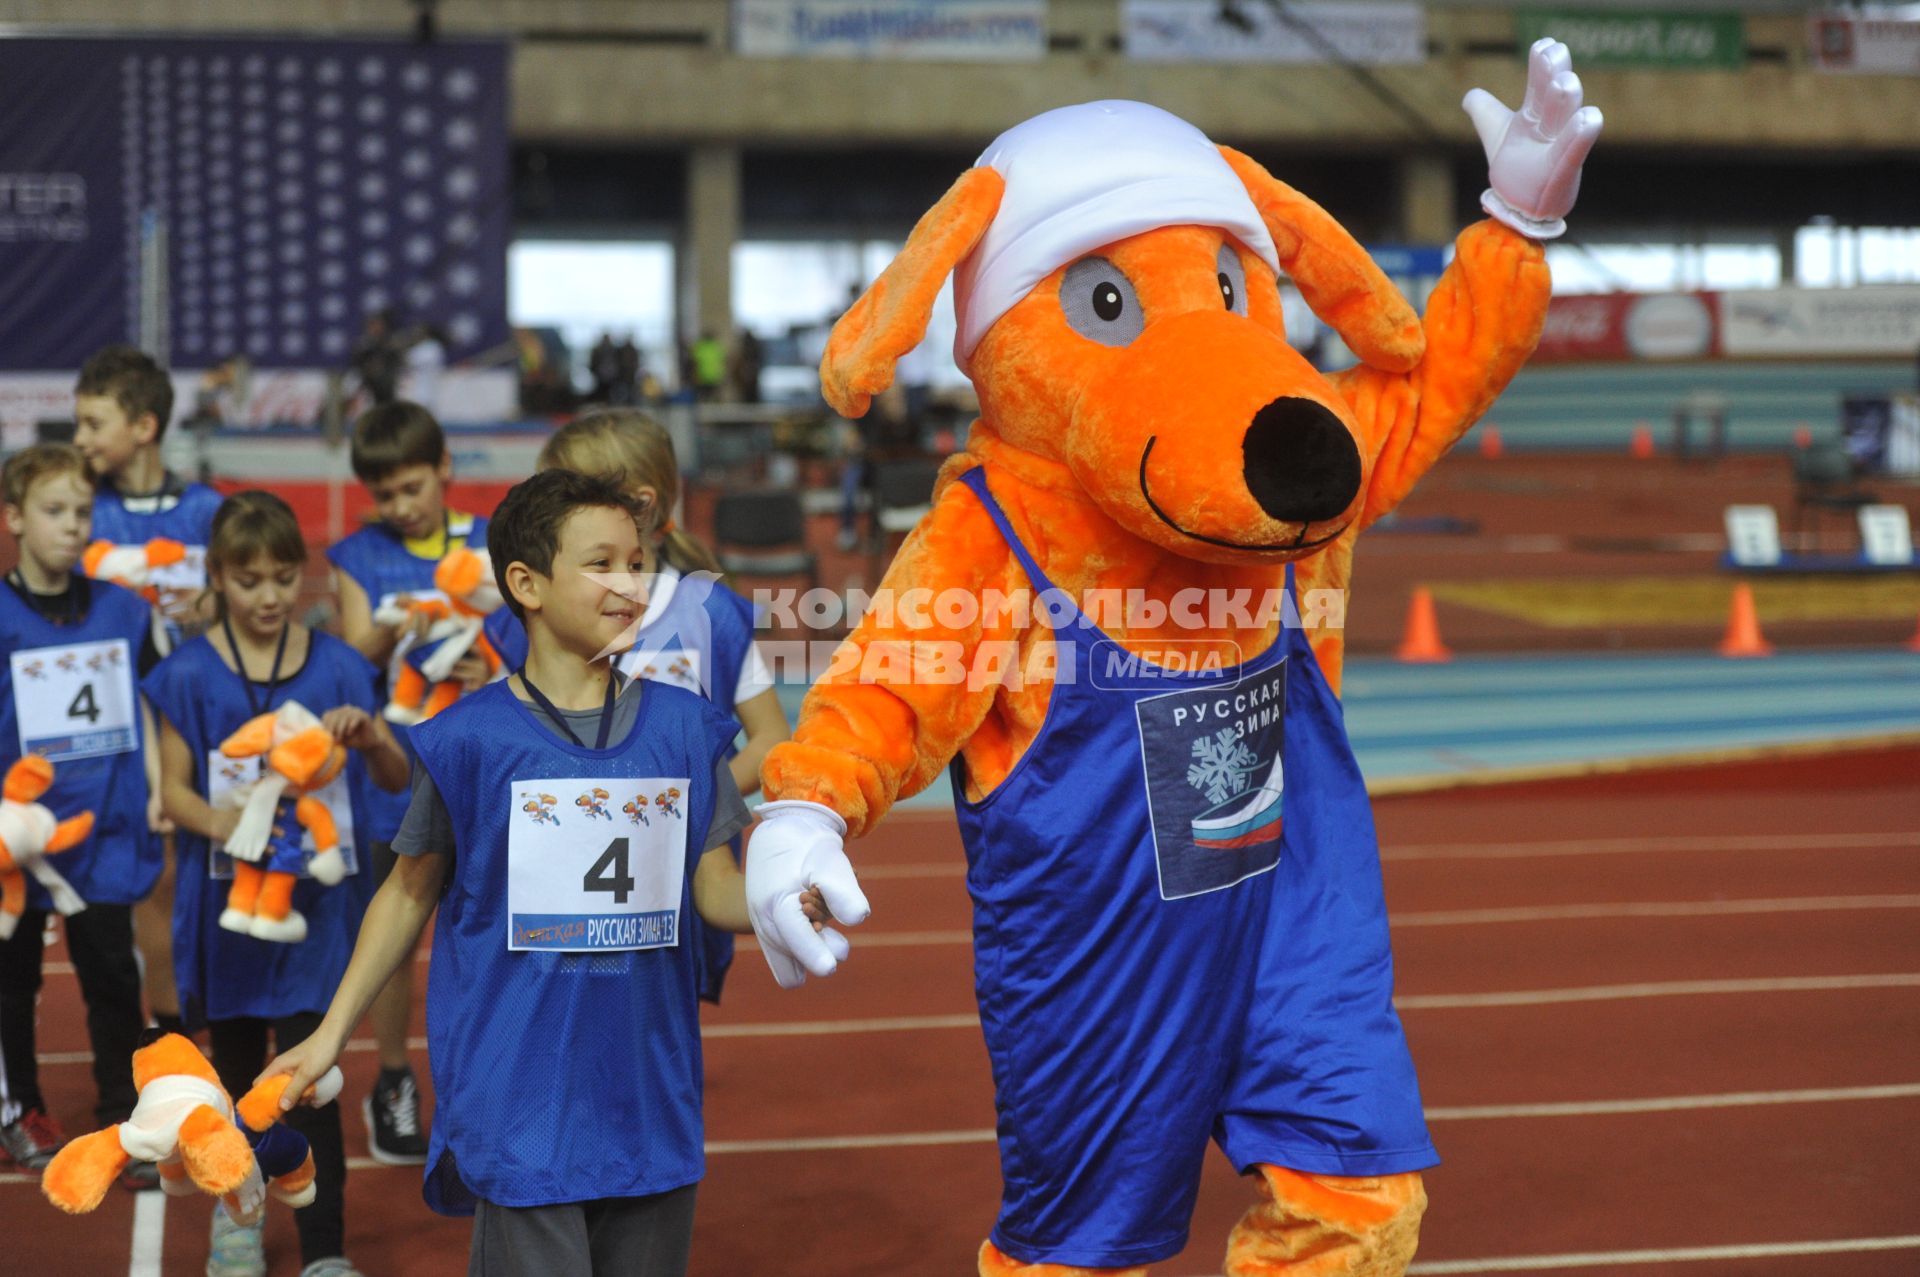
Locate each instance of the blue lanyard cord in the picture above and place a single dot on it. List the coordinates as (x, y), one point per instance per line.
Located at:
(559, 720)
(240, 666)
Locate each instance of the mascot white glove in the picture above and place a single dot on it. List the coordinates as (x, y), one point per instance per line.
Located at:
(1534, 154)
(798, 845)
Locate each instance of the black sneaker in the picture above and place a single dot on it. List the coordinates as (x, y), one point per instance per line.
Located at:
(394, 1134)
(34, 1138)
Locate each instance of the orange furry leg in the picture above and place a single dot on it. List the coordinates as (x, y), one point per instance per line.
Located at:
(245, 891)
(409, 687)
(993, 1263)
(443, 695)
(276, 896)
(217, 1155)
(1322, 1225)
(79, 1175)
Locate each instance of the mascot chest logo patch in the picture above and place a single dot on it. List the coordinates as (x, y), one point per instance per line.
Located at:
(1213, 763)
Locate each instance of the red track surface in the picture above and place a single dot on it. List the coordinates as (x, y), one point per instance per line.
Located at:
(1834, 843)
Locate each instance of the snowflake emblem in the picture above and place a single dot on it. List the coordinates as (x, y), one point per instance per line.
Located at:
(1221, 766)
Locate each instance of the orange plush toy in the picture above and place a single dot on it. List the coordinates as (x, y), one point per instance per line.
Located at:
(29, 833)
(277, 812)
(187, 1123)
(1179, 927)
(132, 565)
(421, 686)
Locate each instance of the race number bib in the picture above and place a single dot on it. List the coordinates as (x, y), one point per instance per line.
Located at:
(596, 864)
(75, 702)
(224, 775)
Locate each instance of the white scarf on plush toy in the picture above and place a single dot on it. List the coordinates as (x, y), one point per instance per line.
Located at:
(152, 1134)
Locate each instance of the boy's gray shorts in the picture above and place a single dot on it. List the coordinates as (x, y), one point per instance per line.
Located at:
(612, 1237)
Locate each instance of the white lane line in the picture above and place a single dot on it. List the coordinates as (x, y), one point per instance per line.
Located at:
(1663, 845)
(814, 1028)
(1655, 989)
(1672, 1103)
(1405, 1002)
(1649, 909)
(830, 1143)
(1682, 1255)
(1666, 845)
(149, 1234)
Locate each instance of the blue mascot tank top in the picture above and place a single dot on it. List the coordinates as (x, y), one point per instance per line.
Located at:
(1125, 877)
(379, 562)
(561, 1010)
(221, 974)
(77, 684)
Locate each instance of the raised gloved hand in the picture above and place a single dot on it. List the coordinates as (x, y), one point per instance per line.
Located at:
(799, 845)
(1534, 154)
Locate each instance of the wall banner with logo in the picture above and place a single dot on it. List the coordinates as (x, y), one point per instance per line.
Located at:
(1206, 31)
(1621, 38)
(1627, 326)
(1882, 320)
(907, 30)
(1865, 42)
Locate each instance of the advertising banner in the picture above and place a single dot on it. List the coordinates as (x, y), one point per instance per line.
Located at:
(259, 197)
(1881, 320)
(1627, 326)
(1623, 38)
(1865, 42)
(1206, 31)
(922, 30)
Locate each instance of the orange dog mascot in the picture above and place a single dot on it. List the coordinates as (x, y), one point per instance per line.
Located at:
(1179, 931)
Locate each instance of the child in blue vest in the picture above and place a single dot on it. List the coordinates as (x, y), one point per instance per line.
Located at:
(561, 1005)
(254, 659)
(400, 455)
(122, 404)
(696, 632)
(71, 651)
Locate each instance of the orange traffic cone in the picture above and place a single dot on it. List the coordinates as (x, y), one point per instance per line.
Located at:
(1490, 445)
(1743, 627)
(1913, 644)
(1421, 641)
(1803, 436)
(1642, 441)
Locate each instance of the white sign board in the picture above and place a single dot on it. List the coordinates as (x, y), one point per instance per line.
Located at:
(1886, 535)
(918, 30)
(1865, 42)
(1753, 536)
(1821, 321)
(1204, 31)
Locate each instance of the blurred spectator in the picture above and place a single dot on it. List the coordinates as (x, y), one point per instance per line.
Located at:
(378, 358)
(603, 365)
(626, 372)
(425, 359)
(709, 355)
(749, 357)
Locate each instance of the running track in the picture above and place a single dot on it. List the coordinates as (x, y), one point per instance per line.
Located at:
(1666, 1023)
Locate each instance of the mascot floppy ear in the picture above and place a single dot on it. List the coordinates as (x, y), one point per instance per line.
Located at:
(890, 318)
(1334, 274)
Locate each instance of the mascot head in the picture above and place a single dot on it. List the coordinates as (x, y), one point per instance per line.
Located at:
(1116, 285)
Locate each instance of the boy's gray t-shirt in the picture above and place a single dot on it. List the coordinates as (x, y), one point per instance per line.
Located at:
(428, 828)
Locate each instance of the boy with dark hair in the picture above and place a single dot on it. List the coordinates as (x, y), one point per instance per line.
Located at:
(566, 819)
(122, 404)
(400, 455)
(70, 650)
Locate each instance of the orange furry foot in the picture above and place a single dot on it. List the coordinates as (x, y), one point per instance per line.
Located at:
(80, 1174)
(217, 1155)
(993, 1263)
(1323, 1225)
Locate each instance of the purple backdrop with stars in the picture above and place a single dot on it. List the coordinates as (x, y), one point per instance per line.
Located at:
(299, 184)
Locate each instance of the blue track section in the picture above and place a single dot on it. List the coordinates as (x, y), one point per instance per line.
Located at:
(1487, 714)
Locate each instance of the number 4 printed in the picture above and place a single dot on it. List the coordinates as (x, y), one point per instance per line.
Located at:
(619, 883)
(83, 705)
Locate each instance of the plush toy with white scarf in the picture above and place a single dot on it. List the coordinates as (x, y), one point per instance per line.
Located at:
(29, 833)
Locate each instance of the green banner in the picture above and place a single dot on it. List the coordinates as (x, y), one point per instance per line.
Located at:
(1614, 38)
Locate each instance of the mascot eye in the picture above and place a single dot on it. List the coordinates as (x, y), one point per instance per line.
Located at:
(1100, 303)
(1233, 280)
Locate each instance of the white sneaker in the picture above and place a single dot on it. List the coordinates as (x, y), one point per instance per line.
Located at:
(238, 1250)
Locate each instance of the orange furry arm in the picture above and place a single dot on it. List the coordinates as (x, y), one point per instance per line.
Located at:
(1482, 323)
(885, 719)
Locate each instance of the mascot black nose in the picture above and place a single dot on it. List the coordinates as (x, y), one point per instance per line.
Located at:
(1301, 463)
